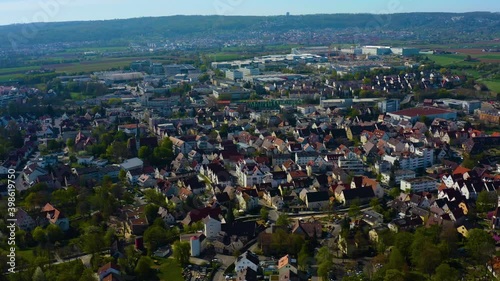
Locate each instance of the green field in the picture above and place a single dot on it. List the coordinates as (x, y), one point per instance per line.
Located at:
(169, 270)
(493, 85)
(445, 60)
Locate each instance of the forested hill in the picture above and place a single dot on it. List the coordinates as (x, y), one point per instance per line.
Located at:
(174, 27)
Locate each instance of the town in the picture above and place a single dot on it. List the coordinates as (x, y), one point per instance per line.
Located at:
(361, 162)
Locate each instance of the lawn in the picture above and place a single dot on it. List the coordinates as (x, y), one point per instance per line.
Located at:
(26, 254)
(493, 85)
(447, 59)
(169, 270)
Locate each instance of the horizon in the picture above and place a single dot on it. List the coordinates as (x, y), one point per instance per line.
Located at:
(47, 11)
(216, 15)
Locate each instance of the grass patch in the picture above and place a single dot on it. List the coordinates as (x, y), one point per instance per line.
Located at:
(229, 269)
(493, 85)
(27, 254)
(169, 270)
(447, 59)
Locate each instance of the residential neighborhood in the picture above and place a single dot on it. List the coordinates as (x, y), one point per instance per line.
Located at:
(320, 163)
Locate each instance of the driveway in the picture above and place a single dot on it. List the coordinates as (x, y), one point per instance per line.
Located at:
(225, 261)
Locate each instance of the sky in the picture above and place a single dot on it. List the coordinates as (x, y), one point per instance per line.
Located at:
(25, 11)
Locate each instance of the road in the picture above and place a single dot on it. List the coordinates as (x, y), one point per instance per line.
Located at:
(225, 261)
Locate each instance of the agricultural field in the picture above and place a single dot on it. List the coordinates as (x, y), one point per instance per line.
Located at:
(493, 85)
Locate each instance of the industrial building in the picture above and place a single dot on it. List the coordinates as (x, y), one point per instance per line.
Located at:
(390, 105)
(413, 114)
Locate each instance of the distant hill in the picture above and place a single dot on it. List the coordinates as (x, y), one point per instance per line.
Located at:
(174, 27)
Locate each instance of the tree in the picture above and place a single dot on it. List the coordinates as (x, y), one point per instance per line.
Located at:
(304, 257)
(480, 246)
(39, 235)
(151, 212)
(396, 260)
(92, 240)
(39, 275)
(403, 242)
(144, 269)
(283, 220)
(354, 208)
(394, 275)
(122, 175)
(486, 201)
(182, 252)
(427, 257)
(264, 213)
(144, 152)
(324, 259)
(154, 237)
(444, 272)
(54, 233)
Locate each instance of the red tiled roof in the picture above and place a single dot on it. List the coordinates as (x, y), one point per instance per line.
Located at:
(421, 111)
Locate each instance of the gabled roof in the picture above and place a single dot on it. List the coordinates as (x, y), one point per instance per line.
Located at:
(250, 256)
(317, 196)
(106, 267)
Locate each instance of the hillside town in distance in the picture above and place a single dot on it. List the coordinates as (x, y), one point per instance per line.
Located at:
(326, 163)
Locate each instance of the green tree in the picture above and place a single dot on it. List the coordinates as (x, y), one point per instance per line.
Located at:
(304, 257)
(143, 269)
(324, 259)
(444, 272)
(486, 201)
(264, 213)
(92, 241)
(182, 252)
(122, 175)
(354, 208)
(144, 152)
(151, 212)
(394, 275)
(39, 235)
(480, 246)
(283, 220)
(54, 233)
(39, 275)
(396, 260)
(403, 242)
(427, 257)
(154, 237)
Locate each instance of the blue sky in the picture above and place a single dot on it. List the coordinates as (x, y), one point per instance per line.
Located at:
(22, 11)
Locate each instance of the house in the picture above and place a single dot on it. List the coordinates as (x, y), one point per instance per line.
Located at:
(250, 173)
(398, 176)
(247, 274)
(54, 216)
(136, 220)
(495, 219)
(166, 216)
(405, 224)
(82, 141)
(180, 146)
(146, 180)
(415, 185)
(372, 218)
(309, 230)
(109, 269)
(199, 214)
(363, 194)
(132, 164)
(363, 181)
(217, 173)
(212, 227)
(317, 200)
(24, 221)
(246, 260)
(248, 199)
(286, 264)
